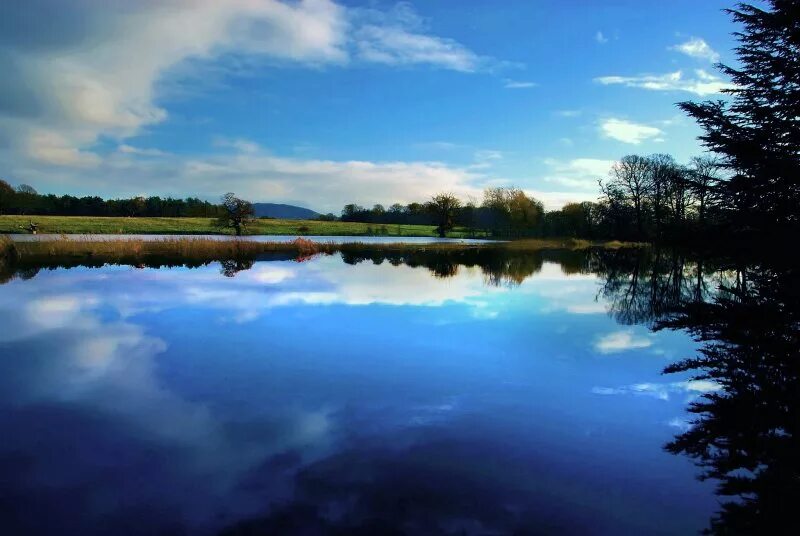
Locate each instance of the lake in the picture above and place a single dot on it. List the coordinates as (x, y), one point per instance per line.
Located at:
(373, 394)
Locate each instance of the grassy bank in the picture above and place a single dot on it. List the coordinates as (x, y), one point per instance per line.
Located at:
(116, 225)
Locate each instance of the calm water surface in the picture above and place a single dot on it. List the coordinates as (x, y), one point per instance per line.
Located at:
(325, 396)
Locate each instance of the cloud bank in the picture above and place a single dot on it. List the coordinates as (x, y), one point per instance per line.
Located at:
(89, 70)
(701, 84)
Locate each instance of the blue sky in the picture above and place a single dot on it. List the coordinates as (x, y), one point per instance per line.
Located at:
(321, 103)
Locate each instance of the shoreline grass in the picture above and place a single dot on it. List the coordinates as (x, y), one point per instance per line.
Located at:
(189, 226)
(25, 259)
(211, 249)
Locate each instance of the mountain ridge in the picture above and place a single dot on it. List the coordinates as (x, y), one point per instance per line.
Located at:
(283, 211)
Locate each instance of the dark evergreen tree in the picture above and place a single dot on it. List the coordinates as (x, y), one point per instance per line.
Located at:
(757, 132)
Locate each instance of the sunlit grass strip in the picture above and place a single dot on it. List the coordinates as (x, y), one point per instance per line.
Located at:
(198, 226)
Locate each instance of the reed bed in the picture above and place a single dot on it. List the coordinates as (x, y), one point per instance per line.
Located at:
(7, 247)
(206, 250)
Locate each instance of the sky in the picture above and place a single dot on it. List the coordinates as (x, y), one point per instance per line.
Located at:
(320, 103)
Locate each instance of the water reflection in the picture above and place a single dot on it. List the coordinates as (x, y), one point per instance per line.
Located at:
(465, 392)
(499, 266)
(743, 436)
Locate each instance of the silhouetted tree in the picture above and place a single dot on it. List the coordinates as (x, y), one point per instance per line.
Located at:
(525, 212)
(6, 195)
(630, 182)
(757, 133)
(352, 212)
(238, 213)
(508, 211)
(704, 180)
(443, 207)
(660, 182)
(397, 211)
(575, 220)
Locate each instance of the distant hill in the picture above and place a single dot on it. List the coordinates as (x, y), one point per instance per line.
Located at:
(286, 212)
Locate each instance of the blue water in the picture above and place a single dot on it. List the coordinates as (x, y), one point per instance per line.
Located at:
(315, 396)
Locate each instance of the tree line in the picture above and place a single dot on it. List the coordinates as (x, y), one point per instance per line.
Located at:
(643, 198)
(25, 200)
(504, 211)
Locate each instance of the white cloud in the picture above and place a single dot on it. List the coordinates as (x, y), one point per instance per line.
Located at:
(397, 46)
(629, 132)
(53, 148)
(271, 275)
(600, 38)
(400, 37)
(129, 149)
(662, 391)
(485, 158)
(437, 145)
(554, 200)
(587, 308)
(54, 311)
(518, 84)
(488, 154)
(697, 48)
(254, 173)
(702, 84)
(325, 184)
(700, 386)
(563, 291)
(621, 341)
(578, 173)
(680, 423)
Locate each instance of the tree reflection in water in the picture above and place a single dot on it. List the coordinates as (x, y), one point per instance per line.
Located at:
(744, 435)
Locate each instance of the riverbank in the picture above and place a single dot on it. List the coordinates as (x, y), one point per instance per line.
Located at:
(190, 226)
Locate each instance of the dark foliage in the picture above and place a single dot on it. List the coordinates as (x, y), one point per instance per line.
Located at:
(746, 318)
(237, 213)
(757, 133)
(27, 201)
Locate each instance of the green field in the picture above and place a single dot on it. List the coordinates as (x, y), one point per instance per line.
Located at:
(121, 225)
